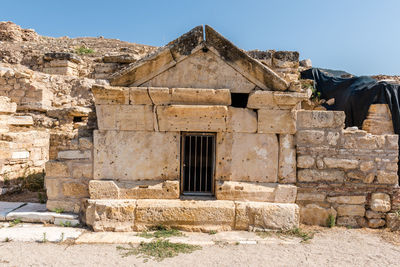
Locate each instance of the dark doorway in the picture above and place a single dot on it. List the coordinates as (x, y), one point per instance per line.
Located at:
(197, 163)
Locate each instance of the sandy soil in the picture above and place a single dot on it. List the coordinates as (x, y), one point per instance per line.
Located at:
(334, 247)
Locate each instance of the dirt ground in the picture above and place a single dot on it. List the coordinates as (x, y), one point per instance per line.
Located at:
(329, 247)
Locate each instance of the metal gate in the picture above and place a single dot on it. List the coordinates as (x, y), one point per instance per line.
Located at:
(197, 163)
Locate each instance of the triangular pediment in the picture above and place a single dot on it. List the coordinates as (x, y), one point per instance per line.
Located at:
(191, 61)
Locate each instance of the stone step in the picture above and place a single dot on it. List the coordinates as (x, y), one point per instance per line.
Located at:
(189, 215)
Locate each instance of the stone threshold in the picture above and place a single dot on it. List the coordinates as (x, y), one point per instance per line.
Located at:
(35, 213)
(189, 215)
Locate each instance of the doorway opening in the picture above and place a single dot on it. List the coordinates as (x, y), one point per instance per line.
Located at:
(197, 163)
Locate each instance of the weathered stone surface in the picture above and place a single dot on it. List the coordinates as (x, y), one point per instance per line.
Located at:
(393, 221)
(108, 95)
(74, 154)
(287, 159)
(82, 170)
(56, 169)
(6, 106)
(139, 96)
(189, 96)
(302, 196)
(132, 156)
(305, 162)
(185, 215)
(367, 166)
(266, 215)
(350, 221)
(313, 175)
(346, 164)
(374, 215)
(67, 205)
(202, 70)
(273, 100)
(77, 190)
(125, 117)
(261, 99)
(192, 118)
(379, 120)
(313, 214)
(320, 119)
(111, 215)
(242, 120)
(380, 202)
(20, 121)
(376, 223)
(102, 189)
(310, 137)
(387, 177)
(259, 153)
(347, 199)
(276, 121)
(351, 210)
(244, 191)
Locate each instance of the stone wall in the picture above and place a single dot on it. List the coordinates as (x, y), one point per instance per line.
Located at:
(347, 173)
(23, 150)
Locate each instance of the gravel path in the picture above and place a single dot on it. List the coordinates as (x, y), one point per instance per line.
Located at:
(329, 247)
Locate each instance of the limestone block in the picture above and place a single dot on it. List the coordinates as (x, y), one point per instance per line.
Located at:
(276, 121)
(379, 120)
(150, 190)
(347, 199)
(131, 156)
(111, 215)
(53, 188)
(303, 196)
(6, 106)
(374, 215)
(351, 210)
(376, 223)
(287, 159)
(313, 214)
(82, 170)
(359, 140)
(333, 138)
(261, 99)
(70, 205)
(257, 152)
(313, 175)
(266, 215)
(125, 117)
(139, 96)
(189, 96)
(20, 120)
(186, 215)
(305, 162)
(384, 177)
(380, 202)
(99, 189)
(320, 119)
(56, 169)
(290, 99)
(346, 164)
(392, 141)
(85, 143)
(245, 191)
(110, 95)
(393, 221)
(242, 120)
(135, 118)
(192, 118)
(77, 190)
(310, 137)
(74, 154)
(20, 154)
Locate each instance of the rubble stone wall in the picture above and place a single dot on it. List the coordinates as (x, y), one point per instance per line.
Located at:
(346, 173)
(23, 150)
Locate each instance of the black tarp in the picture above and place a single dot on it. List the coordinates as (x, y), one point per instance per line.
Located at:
(354, 95)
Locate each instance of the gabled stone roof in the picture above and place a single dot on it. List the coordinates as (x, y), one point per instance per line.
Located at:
(166, 57)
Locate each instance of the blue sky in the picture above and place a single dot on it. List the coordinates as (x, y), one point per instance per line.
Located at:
(359, 36)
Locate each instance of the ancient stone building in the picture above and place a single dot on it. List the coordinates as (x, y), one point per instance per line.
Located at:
(202, 136)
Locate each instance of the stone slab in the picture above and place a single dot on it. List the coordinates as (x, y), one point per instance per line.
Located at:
(189, 96)
(20, 120)
(192, 118)
(108, 95)
(127, 155)
(276, 121)
(7, 207)
(258, 152)
(74, 154)
(242, 120)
